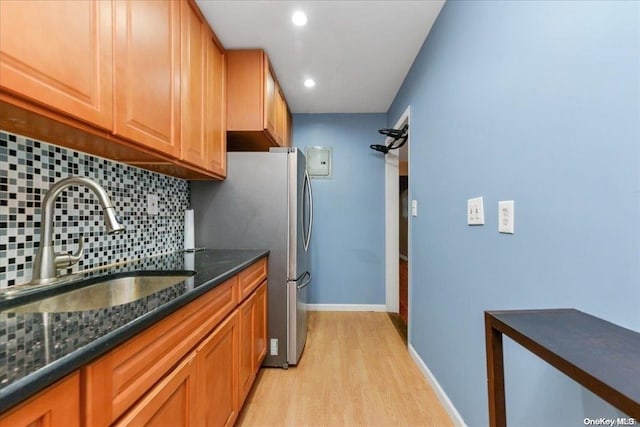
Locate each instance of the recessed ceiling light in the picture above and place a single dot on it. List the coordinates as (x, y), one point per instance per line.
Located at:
(309, 83)
(299, 18)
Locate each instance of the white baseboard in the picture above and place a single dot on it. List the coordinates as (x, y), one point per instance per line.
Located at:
(442, 396)
(346, 307)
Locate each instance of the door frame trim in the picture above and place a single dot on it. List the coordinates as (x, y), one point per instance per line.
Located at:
(392, 222)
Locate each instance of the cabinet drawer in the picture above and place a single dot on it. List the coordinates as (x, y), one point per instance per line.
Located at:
(117, 380)
(58, 405)
(172, 402)
(251, 277)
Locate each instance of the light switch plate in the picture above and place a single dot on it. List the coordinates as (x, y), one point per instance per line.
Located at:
(414, 208)
(506, 216)
(475, 211)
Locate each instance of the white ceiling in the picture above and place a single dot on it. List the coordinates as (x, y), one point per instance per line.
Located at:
(358, 52)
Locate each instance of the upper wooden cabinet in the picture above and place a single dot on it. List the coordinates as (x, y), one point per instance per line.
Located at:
(255, 103)
(288, 136)
(203, 96)
(194, 150)
(147, 73)
(59, 54)
(215, 117)
(270, 100)
(283, 121)
(137, 81)
(281, 109)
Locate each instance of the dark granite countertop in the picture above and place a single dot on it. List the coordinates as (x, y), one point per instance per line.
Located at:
(37, 349)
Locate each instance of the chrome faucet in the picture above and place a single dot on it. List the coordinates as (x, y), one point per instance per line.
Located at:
(47, 262)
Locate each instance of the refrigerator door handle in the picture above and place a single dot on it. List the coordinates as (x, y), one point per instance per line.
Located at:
(306, 282)
(307, 239)
(300, 277)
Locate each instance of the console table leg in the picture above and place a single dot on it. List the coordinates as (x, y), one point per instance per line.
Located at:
(495, 375)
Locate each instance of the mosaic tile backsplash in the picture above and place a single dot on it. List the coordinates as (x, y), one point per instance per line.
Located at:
(28, 168)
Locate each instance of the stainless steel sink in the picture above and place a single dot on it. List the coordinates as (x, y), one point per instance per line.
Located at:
(101, 295)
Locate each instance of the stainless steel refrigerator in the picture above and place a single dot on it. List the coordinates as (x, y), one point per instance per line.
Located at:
(265, 202)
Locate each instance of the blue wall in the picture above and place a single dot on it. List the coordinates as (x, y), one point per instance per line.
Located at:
(348, 229)
(538, 102)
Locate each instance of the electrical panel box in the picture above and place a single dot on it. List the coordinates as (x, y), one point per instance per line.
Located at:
(319, 161)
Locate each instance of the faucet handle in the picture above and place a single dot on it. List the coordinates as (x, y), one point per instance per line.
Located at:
(69, 259)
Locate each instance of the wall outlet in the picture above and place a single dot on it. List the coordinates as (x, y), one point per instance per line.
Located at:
(273, 350)
(505, 216)
(152, 204)
(475, 211)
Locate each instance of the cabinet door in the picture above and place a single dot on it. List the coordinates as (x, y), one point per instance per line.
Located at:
(247, 347)
(245, 90)
(58, 405)
(286, 123)
(59, 54)
(203, 138)
(290, 130)
(270, 101)
(194, 148)
(260, 326)
(217, 358)
(215, 107)
(280, 114)
(147, 73)
(170, 403)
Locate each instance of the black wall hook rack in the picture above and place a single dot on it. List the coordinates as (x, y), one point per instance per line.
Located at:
(399, 136)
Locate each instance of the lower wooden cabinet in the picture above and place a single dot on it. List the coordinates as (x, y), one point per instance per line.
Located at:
(245, 373)
(201, 391)
(260, 326)
(58, 405)
(118, 379)
(193, 368)
(253, 339)
(217, 359)
(172, 402)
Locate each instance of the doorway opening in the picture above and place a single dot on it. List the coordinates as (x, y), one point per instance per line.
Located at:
(397, 233)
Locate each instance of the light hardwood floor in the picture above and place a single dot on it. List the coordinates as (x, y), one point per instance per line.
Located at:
(355, 371)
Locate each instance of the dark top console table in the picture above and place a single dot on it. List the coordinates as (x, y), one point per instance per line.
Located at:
(601, 356)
